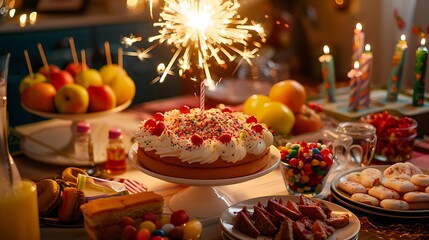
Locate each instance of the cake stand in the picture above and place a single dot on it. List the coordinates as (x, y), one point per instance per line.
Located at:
(54, 144)
(202, 199)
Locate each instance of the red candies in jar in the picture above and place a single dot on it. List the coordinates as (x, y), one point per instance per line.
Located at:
(395, 136)
(305, 167)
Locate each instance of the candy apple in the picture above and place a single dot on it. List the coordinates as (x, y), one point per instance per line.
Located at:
(60, 78)
(109, 72)
(254, 103)
(89, 77)
(124, 88)
(306, 120)
(52, 68)
(75, 68)
(278, 116)
(30, 80)
(101, 98)
(39, 96)
(72, 98)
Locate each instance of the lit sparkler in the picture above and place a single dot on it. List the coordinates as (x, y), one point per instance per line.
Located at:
(201, 30)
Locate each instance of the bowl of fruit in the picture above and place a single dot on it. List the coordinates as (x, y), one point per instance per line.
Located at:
(395, 136)
(305, 167)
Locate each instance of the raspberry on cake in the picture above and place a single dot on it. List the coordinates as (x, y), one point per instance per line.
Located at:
(213, 144)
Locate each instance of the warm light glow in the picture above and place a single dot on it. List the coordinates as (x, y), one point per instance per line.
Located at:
(423, 41)
(33, 17)
(326, 49)
(132, 4)
(403, 37)
(12, 12)
(367, 47)
(201, 30)
(22, 20)
(356, 65)
(358, 26)
(339, 2)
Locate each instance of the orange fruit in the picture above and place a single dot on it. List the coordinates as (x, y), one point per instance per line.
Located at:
(289, 92)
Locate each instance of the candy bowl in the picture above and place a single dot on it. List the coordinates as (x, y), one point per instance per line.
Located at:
(395, 136)
(305, 167)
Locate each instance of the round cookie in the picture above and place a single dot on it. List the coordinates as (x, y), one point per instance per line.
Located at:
(48, 196)
(70, 174)
(354, 177)
(351, 187)
(416, 197)
(371, 177)
(398, 170)
(394, 204)
(420, 179)
(365, 198)
(413, 168)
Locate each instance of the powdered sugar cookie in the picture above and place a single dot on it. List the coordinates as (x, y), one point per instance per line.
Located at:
(371, 177)
(381, 192)
(399, 185)
(354, 177)
(416, 197)
(365, 198)
(398, 170)
(420, 179)
(413, 168)
(394, 204)
(351, 187)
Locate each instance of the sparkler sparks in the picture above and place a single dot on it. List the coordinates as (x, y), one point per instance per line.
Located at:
(201, 30)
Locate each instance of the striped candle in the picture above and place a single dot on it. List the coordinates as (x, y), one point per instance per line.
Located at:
(419, 74)
(328, 74)
(394, 83)
(358, 43)
(354, 75)
(365, 64)
(202, 95)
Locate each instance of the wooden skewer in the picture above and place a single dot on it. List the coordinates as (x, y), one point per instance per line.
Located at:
(107, 50)
(83, 56)
(120, 54)
(27, 59)
(43, 56)
(73, 50)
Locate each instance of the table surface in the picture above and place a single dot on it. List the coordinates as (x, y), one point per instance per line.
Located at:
(269, 184)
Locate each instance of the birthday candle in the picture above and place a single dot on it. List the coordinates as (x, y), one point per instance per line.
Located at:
(365, 86)
(394, 83)
(354, 75)
(419, 74)
(358, 43)
(328, 74)
(202, 95)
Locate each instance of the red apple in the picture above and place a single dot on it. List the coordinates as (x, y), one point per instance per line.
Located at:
(72, 98)
(101, 98)
(52, 68)
(39, 96)
(60, 78)
(75, 68)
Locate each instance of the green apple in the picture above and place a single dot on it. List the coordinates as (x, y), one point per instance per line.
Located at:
(28, 81)
(72, 98)
(278, 116)
(39, 96)
(108, 72)
(123, 87)
(89, 77)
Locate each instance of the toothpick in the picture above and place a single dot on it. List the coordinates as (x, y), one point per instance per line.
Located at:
(107, 50)
(27, 59)
(73, 50)
(120, 54)
(43, 56)
(83, 56)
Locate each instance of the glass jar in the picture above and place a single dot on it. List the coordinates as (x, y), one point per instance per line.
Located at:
(116, 153)
(83, 148)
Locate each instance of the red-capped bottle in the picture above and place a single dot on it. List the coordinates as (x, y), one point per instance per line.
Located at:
(115, 153)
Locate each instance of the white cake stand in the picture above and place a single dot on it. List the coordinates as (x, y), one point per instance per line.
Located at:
(55, 144)
(202, 199)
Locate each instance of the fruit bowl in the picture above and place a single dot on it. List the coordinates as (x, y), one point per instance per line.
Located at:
(80, 116)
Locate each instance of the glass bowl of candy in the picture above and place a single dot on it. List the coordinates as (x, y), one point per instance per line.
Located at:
(395, 136)
(305, 167)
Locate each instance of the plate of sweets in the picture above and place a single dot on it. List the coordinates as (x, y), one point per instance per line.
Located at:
(288, 217)
(400, 190)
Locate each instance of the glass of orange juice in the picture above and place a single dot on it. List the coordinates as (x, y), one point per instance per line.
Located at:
(19, 215)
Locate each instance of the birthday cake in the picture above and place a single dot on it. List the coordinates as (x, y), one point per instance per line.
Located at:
(208, 144)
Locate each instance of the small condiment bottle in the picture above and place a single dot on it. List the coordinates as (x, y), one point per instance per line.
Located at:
(115, 153)
(83, 148)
